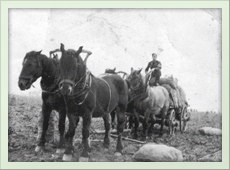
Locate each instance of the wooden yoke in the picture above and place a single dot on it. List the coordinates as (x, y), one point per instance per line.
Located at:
(87, 56)
(54, 51)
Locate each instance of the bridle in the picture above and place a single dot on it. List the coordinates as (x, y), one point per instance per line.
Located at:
(84, 90)
(136, 88)
(72, 83)
(26, 78)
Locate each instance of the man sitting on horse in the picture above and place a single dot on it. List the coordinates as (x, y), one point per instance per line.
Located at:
(155, 73)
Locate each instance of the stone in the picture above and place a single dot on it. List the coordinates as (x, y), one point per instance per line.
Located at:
(210, 131)
(158, 153)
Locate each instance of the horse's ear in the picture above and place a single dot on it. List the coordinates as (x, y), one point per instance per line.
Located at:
(114, 69)
(38, 53)
(62, 48)
(131, 69)
(79, 50)
(139, 71)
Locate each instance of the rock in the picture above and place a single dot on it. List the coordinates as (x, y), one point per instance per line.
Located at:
(158, 153)
(215, 157)
(210, 131)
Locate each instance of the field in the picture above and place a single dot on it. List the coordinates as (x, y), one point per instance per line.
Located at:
(22, 134)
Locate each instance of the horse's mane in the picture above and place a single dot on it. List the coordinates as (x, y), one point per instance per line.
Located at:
(42, 58)
(143, 78)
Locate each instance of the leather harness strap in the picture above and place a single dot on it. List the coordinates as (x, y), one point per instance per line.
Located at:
(110, 93)
(67, 81)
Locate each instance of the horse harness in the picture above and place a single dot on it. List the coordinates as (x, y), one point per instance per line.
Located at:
(110, 94)
(143, 95)
(49, 90)
(86, 89)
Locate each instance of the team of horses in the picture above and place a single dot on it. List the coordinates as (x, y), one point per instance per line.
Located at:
(69, 88)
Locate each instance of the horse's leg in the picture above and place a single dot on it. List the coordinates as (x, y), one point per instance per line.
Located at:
(120, 128)
(136, 117)
(113, 113)
(85, 137)
(46, 110)
(61, 126)
(163, 116)
(153, 120)
(69, 138)
(106, 119)
(131, 120)
(145, 125)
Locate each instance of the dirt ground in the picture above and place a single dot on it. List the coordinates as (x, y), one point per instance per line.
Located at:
(22, 133)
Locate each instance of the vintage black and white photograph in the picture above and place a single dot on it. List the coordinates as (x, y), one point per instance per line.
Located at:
(115, 85)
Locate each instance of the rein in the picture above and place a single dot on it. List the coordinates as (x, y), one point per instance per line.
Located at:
(26, 77)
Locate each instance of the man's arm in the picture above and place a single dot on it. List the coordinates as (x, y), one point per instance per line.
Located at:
(147, 68)
(158, 67)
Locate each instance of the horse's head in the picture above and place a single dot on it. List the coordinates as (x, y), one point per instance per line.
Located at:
(111, 71)
(31, 70)
(72, 69)
(135, 80)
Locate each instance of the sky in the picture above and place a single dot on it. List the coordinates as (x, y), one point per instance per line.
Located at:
(187, 41)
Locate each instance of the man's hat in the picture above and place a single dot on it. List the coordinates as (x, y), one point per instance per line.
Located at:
(154, 54)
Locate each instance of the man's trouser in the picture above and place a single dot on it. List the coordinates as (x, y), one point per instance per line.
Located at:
(155, 77)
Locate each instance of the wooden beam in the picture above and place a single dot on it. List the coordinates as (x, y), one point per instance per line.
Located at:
(98, 131)
(129, 139)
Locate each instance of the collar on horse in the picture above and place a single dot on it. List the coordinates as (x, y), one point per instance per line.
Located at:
(85, 88)
(51, 89)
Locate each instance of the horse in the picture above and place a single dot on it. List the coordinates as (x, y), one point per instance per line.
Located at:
(133, 118)
(88, 96)
(113, 71)
(152, 101)
(37, 65)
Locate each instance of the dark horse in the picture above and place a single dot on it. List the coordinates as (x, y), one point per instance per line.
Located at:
(88, 96)
(113, 71)
(37, 65)
(133, 118)
(151, 101)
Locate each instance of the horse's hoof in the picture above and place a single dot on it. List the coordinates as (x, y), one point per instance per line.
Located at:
(106, 146)
(60, 150)
(39, 148)
(67, 157)
(117, 154)
(106, 149)
(55, 156)
(84, 159)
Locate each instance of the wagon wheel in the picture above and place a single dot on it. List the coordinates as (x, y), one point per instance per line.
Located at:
(184, 117)
(172, 121)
